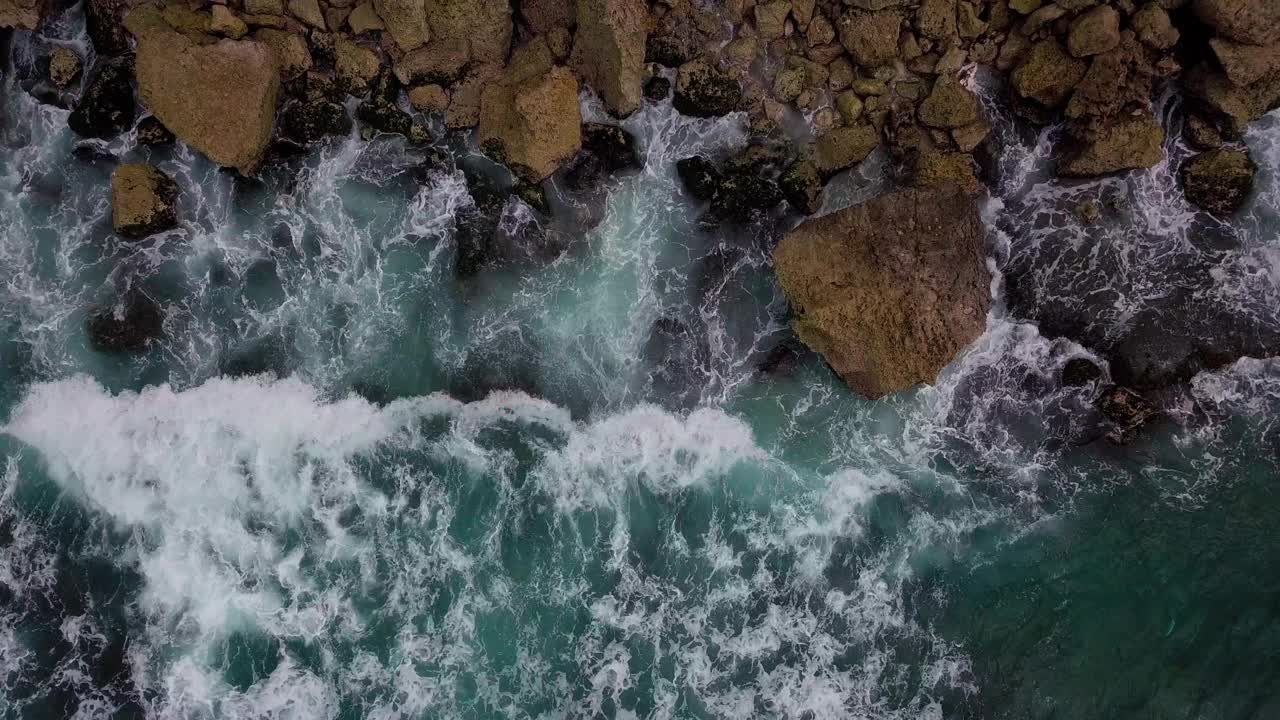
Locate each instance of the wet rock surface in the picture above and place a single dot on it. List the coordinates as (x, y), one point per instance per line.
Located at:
(889, 292)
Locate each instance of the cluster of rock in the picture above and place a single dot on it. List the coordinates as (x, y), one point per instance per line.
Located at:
(239, 80)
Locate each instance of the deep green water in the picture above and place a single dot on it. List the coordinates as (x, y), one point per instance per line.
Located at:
(351, 484)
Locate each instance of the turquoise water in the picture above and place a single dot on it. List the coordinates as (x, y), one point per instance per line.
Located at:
(350, 483)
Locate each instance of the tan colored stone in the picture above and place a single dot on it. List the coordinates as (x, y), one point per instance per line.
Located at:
(226, 23)
(219, 98)
(533, 126)
(891, 291)
(365, 19)
(429, 98)
(609, 49)
(143, 200)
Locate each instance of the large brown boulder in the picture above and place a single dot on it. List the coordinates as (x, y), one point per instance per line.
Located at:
(890, 291)
(1047, 74)
(22, 14)
(844, 147)
(531, 122)
(949, 105)
(1130, 142)
(871, 39)
(1232, 107)
(608, 51)
(143, 200)
(1246, 64)
(484, 24)
(219, 98)
(405, 21)
(1094, 32)
(1219, 181)
(1255, 22)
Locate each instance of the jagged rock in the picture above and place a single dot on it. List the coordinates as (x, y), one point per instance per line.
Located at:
(22, 14)
(310, 120)
(543, 16)
(440, 61)
(936, 19)
(429, 98)
(379, 113)
(356, 67)
(309, 12)
(365, 19)
(969, 137)
(705, 90)
(226, 23)
(1246, 64)
(1094, 32)
(405, 21)
(1253, 22)
(771, 18)
(484, 24)
(264, 7)
(801, 185)
(890, 291)
(1047, 74)
(933, 168)
(657, 88)
(1042, 18)
(737, 191)
(128, 327)
(1219, 181)
(699, 175)
(1118, 82)
(532, 124)
(152, 132)
(1126, 143)
(104, 21)
(1154, 28)
(609, 51)
(219, 98)
(871, 39)
(1200, 133)
(1230, 106)
(106, 106)
(843, 147)
(1128, 410)
(1078, 372)
(850, 106)
(949, 105)
(64, 66)
(968, 24)
(464, 96)
(290, 50)
(606, 149)
(143, 200)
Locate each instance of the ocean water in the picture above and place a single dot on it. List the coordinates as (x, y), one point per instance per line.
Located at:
(352, 482)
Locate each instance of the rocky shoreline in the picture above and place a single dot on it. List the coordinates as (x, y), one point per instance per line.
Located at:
(249, 82)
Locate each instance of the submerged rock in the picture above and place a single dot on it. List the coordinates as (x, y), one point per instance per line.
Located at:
(1219, 181)
(152, 132)
(606, 149)
(1127, 410)
(143, 200)
(106, 107)
(890, 291)
(129, 326)
(218, 98)
(1078, 372)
